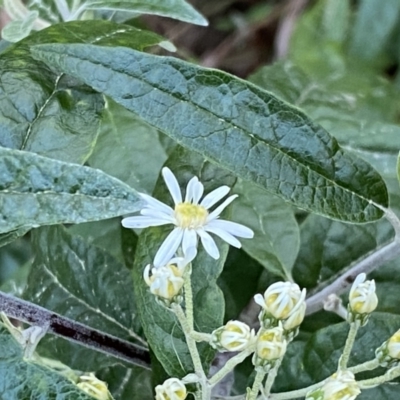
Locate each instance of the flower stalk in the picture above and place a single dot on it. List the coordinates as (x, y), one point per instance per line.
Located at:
(344, 359)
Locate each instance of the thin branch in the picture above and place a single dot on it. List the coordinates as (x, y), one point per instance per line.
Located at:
(73, 331)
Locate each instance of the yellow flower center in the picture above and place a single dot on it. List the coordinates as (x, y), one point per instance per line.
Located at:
(191, 216)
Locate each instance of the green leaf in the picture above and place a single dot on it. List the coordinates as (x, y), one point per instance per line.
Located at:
(6, 238)
(128, 149)
(276, 233)
(177, 9)
(36, 190)
(127, 383)
(159, 324)
(238, 281)
(373, 26)
(52, 114)
(83, 283)
(233, 123)
(21, 379)
(329, 247)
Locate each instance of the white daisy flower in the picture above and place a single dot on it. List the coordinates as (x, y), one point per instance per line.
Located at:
(191, 218)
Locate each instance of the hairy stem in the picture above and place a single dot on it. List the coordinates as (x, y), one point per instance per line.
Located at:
(253, 393)
(73, 331)
(351, 337)
(388, 376)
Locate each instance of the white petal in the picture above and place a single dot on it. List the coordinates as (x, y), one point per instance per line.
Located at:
(221, 207)
(161, 215)
(224, 235)
(141, 222)
(259, 299)
(189, 240)
(192, 189)
(233, 228)
(172, 184)
(208, 243)
(157, 204)
(215, 196)
(190, 254)
(198, 191)
(168, 248)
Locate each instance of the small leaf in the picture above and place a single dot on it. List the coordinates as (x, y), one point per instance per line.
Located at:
(52, 114)
(276, 234)
(36, 190)
(6, 238)
(177, 9)
(128, 149)
(233, 123)
(22, 379)
(159, 324)
(83, 283)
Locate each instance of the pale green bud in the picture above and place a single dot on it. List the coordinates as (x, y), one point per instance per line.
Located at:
(362, 299)
(340, 386)
(94, 387)
(234, 336)
(270, 347)
(171, 389)
(388, 354)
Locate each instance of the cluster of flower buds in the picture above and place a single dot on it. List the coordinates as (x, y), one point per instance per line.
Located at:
(341, 385)
(388, 354)
(362, 300)
(234, 336)
(171, 389)
(283, 303)
(94, 387)
(270, 347)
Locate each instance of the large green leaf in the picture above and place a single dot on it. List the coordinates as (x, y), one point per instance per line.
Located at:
(276, 233)
(21, 379)
(128, 149)
(36, 190)
(233, 123)
(360, 110)
(160, 326)
(84, 283)
(53, 114)
(178, 9)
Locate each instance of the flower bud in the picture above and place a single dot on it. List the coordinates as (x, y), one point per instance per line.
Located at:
(166, 282)
(362, 299)
(171, 389)
(94, 387)
(234, 336)
(341, 385)
(282, 301)
(388, 354)
(271, 346)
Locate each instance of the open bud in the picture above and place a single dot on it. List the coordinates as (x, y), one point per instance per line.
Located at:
(362, 299)
(94, 387)
(271, 346)
(282, 301)
(388, 354)
(234, 336)
(340, 386)
(166, 282)
(171, 389)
